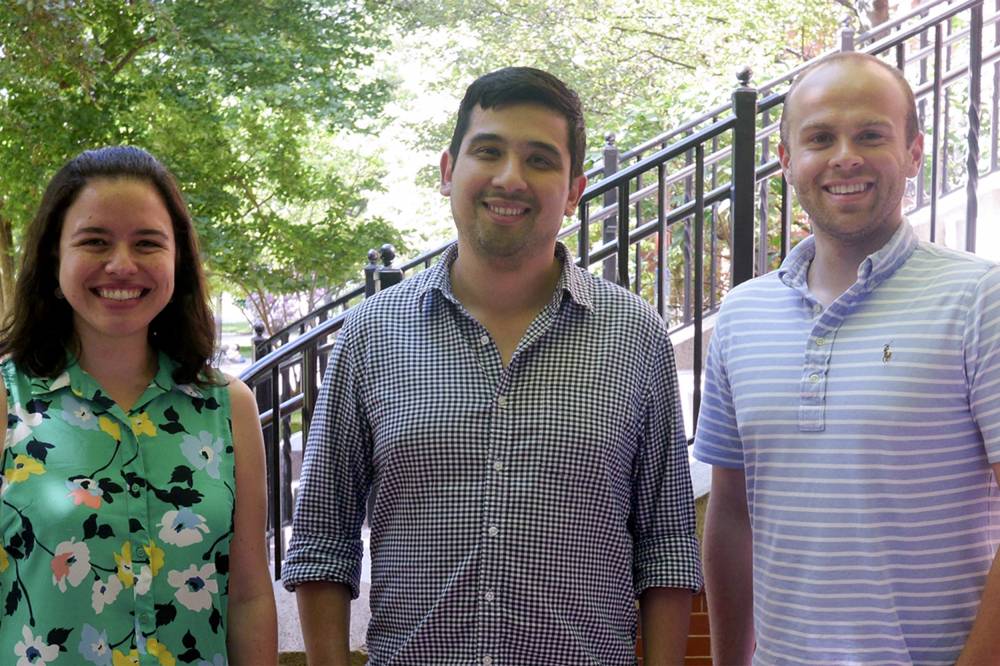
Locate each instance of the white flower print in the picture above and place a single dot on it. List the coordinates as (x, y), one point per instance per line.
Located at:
(143, 580)
(189, 390)
(60, 382)
(104, 592)
(195, 586)
(182, 528)
(26, 422)
(33, 651)
(70, 563)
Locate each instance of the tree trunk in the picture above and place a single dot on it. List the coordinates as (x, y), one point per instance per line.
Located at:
(6, 266)
(879, 13)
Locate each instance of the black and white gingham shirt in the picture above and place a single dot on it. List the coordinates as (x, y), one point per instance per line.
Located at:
(517, 512)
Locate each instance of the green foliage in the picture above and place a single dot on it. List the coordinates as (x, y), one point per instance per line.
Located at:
(640, 66)
(232, 96)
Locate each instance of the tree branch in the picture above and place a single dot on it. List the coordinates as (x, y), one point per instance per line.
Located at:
(644, 31)
(131, 54)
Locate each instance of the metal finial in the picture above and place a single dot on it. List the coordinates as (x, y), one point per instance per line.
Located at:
(744, 76)
(609, 139)
(388, 254)
(372, 256)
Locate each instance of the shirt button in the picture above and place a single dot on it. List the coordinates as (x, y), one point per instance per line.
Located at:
(820, 342)
(502, 401)
(489, 595)
(814, 378)
(498, 466)
(493, 531)
(817, 309)
(484, 339)
(487, 660)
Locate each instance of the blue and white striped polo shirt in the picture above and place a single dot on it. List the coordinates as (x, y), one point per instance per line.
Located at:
(866, 431)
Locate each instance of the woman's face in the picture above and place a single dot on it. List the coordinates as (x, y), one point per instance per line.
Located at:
(116, 259)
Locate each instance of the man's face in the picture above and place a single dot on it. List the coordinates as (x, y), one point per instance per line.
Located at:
(847, 156)
(510, 184)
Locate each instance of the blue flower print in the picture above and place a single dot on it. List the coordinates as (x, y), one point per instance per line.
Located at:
(78, 413)
(217, 660)
(182, 528)
(203, 452)
(94, 646)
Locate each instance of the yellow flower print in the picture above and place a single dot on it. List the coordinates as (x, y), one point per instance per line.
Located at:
(141, 425)
(110, 427)
(159, 650)
(124, 562)
(3, 560)
(119, 658)
(155, 555)
(24, 466)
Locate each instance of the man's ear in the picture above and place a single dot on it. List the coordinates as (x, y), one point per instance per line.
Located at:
(576, 187)
(916, 153)
(446, 167)
(786, 160)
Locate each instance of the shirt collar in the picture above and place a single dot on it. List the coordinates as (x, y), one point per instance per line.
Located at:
(83, 385)
(571, 280)
(876, 267)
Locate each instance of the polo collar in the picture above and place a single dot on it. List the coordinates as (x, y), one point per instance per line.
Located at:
(875, 269)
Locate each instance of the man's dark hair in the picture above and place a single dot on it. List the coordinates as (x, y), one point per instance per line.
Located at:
(39, 329)
(912, 122)
(520, 85)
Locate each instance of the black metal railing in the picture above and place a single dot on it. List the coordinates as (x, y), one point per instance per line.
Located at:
(686, 215)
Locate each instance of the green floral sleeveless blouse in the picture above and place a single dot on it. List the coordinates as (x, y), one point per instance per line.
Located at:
(115, 527)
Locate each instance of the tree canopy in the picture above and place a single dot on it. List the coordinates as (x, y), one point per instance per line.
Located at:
(234, 98)
(258, 106)
(640, 66)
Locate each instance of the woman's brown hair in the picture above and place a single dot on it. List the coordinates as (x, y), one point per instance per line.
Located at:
(39, 329)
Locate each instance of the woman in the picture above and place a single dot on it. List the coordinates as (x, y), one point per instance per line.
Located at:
(132, 500)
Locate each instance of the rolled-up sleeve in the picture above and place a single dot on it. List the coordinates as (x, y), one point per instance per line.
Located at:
(336, 478)
(663, 518)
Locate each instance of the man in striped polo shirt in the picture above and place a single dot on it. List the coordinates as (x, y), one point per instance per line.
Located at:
(850, 411)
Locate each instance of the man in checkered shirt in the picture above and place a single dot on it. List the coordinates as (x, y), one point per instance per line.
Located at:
(516, 424)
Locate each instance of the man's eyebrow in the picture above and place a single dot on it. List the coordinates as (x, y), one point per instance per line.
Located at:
(813, 125)
(489, 137)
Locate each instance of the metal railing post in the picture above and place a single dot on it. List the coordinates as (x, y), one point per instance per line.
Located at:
(371, 268)
(975, 93)
(610, 227)
(847, 35)
(744, 174)
(388, 275)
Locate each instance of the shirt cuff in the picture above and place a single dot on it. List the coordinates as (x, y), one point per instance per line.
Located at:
(673, 560)
(314, 558)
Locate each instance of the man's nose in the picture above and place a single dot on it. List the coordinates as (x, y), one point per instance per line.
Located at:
(510, 175)
(846, 156)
